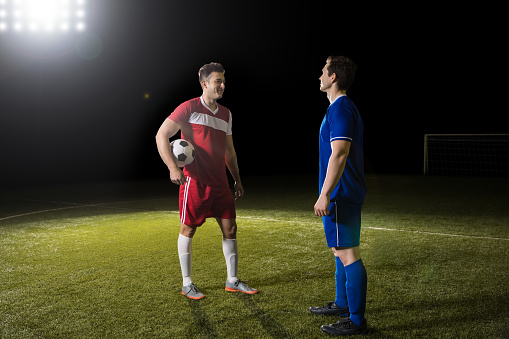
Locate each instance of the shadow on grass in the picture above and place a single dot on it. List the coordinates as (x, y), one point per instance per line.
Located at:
(447, 316)
(202, 323)
(271, 326)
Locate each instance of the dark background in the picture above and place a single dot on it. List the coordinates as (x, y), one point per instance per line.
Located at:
(91, 112)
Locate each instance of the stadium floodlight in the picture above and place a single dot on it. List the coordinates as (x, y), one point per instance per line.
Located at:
(46, 28)
(43, 16)
(80, 26)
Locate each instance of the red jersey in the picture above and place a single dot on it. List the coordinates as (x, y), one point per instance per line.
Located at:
(207, 131)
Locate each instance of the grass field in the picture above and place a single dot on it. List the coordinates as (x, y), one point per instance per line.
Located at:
(100, 261)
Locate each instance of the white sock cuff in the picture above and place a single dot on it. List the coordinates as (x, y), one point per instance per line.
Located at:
(183, 237)
(229, 246)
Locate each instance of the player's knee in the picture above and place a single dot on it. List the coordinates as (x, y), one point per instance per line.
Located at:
(228, 228)
(230, 232)
(347, 255)
(187, 231)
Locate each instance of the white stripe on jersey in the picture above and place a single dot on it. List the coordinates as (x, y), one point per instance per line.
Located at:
(341, 138)
(210, 121)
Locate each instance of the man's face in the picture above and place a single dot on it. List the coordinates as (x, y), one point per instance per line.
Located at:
(325, 79)
(215, 85)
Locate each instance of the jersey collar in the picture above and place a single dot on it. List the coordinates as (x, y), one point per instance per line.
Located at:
(341, 95)
(207, 107)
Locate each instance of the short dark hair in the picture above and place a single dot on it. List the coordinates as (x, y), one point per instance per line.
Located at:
(206, 70)
(344, 69)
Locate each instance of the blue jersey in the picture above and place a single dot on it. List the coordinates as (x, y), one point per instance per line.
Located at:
(343, 122)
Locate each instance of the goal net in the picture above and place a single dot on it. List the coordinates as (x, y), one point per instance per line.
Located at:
(484, 155)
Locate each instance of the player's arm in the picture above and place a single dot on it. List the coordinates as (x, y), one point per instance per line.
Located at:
(230, 158)
(337, 163)
(167, 130)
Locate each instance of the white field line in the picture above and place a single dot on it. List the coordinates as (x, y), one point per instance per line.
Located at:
(380, 229)
(436, 233)
(41, 211)
(74, 205)
(103, 205)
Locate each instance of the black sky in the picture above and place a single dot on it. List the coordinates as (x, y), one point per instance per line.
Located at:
(84, 116)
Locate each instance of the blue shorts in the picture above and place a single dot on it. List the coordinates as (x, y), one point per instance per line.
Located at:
(343, 224)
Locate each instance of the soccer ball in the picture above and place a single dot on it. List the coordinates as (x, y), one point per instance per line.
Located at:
(183, 151)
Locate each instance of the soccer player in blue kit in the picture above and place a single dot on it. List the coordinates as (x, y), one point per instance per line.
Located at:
(342, 192)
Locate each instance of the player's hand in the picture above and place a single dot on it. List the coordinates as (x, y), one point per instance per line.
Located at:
(239, 190)
(177, 176)
(322, 206)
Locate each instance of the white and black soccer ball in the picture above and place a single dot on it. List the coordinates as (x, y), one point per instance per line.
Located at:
(183, 151)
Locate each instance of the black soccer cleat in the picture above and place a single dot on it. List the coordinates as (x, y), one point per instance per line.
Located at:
(345, 327)
(330, 309)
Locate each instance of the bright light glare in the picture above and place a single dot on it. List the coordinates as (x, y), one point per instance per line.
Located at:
(80, 26)
(43, 15)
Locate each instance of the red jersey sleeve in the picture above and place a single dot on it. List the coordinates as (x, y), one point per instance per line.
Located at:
(181, 114)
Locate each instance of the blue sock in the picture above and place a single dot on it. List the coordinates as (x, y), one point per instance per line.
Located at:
(356, 286)
(341, 300)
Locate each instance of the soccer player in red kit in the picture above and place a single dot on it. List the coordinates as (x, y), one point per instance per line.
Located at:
(204, 189)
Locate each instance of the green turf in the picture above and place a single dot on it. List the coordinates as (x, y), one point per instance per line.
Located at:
(436, 251)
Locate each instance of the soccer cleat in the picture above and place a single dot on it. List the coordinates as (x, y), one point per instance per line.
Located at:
(330, 309)
(192, 292)
(344, 327)
(239, 286)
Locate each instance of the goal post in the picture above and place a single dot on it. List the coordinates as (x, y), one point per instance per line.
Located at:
(484, 155)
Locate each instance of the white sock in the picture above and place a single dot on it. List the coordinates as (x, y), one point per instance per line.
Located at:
(232, 258)
(185, 256)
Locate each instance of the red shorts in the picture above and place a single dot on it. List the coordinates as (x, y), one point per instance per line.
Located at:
(198, 202)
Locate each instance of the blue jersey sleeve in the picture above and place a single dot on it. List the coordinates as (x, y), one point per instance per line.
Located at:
(341, 122)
